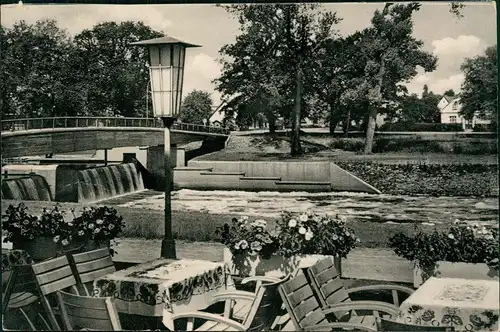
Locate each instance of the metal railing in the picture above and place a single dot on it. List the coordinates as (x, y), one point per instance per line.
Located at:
(16, 125)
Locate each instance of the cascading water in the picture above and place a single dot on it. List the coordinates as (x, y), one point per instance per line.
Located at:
(26, 188)
(99, 183)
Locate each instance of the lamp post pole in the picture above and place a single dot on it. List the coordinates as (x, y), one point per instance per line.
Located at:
(168, 243)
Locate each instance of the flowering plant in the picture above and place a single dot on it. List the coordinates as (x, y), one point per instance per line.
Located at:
(463, 242)
(243, 236)
(99, 224)
(309, 234)
(302, 234)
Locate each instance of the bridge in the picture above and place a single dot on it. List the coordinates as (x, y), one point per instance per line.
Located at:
(41, 136)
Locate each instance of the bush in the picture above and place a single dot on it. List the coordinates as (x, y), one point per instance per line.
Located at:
(461, 243)
(484, 128)
(348, 144)
(427, 179)
(419, 127)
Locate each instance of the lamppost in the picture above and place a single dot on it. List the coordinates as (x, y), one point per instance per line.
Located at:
(167, 56)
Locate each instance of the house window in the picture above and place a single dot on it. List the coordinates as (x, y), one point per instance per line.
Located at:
(453, 119)
(455, 106)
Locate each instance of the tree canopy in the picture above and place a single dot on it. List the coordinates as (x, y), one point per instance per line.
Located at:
(480, 87)
(196, 107)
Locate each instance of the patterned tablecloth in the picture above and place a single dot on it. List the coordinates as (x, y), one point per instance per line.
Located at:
(468, 305)
(164, 286)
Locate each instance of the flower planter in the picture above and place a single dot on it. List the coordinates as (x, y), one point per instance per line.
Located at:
(480, 271)
(275, 266)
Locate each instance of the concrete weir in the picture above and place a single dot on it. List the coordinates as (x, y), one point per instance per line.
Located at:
(269, 176)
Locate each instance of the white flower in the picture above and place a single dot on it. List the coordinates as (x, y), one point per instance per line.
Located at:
(111, 226)
(343, 219)
(347, 233)
(245, 218)
(243, 244)
(237, 246)
(260, 223)
(99, 221)
(326, 221)
(358, 240)
(309, 235)
(335, 237)
(302, 230)
(56, 238)
(316, 218)
(64, 242)
(303, 217)
(292, 223)
(309, 212)
(97, 230)
(256, 246)
(451, 236)
(91, 226)
(456, 221)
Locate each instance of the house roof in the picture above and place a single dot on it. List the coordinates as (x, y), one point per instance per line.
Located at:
(449, 99)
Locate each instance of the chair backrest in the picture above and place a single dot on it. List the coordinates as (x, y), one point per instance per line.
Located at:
(92, 265)
(385, 325)
(327, 284)
(266, 307)
(301, 304)
(90, 313)
(53, 275)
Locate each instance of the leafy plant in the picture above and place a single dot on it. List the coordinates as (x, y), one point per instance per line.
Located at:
(462, 243)
(99, 224)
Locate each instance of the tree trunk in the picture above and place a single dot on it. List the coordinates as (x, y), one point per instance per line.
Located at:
(347, 122)
(296, 149)
(335, 116)
(372, 117)
(271, 120)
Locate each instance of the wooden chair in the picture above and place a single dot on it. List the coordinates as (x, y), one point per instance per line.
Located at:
(385, 325)
(19, 293)
(51, 276)
(88, 313)
(330, 290)
(306, 313)
(90, 266)
(264, 311)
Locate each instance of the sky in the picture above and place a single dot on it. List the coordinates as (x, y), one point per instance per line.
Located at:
(449, 38)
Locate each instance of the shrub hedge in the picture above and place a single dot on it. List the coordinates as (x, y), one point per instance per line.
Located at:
(412, 144)
(411, 126)
(427, 179)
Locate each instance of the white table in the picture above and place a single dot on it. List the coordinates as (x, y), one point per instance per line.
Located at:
(163, 287)
(468, 305)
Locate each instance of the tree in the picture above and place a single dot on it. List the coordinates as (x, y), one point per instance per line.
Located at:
(391, 56)
(449, 93)
(480, 86)
(276, 49)
(115, 70)
(36, 71)
(196, 107)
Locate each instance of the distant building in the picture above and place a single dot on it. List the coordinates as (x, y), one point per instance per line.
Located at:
(217, 117)
(450, 113)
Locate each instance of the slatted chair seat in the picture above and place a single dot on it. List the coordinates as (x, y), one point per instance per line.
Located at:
(306, 313)
(92, 265)
(264, 310)
(21, 299)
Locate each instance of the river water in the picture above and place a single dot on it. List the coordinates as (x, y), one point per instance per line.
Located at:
(355, 206)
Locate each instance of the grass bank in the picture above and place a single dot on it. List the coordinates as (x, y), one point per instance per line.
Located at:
(201, 226)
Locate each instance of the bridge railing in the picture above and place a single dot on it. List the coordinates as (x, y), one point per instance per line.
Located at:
(14, 125)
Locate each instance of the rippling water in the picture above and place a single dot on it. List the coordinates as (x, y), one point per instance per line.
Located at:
(356, 206)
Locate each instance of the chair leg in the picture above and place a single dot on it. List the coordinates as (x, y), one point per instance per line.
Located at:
(47, 325)
(8, 290)
(33, 328)
(52, 318)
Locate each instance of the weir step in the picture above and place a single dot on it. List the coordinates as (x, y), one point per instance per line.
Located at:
(222, 173)
(194, 169)
(307, 183)
(270, 178)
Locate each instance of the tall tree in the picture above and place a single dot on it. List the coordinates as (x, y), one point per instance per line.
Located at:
(480, 87)
(36, 71)
(391, 56)
(116, 70)
(449, 93)
(275, 50)
(196, 107)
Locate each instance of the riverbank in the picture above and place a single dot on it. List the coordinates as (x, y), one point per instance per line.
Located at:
(145, 218)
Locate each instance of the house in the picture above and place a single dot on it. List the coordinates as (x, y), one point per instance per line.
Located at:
(217, 117)
(450, 113)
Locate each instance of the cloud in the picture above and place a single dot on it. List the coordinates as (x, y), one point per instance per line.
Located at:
(436, 85)
(460, 46)
(201, 69)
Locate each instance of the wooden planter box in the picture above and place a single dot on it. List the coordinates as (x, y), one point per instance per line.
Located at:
(276, 266)
(480, 271)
